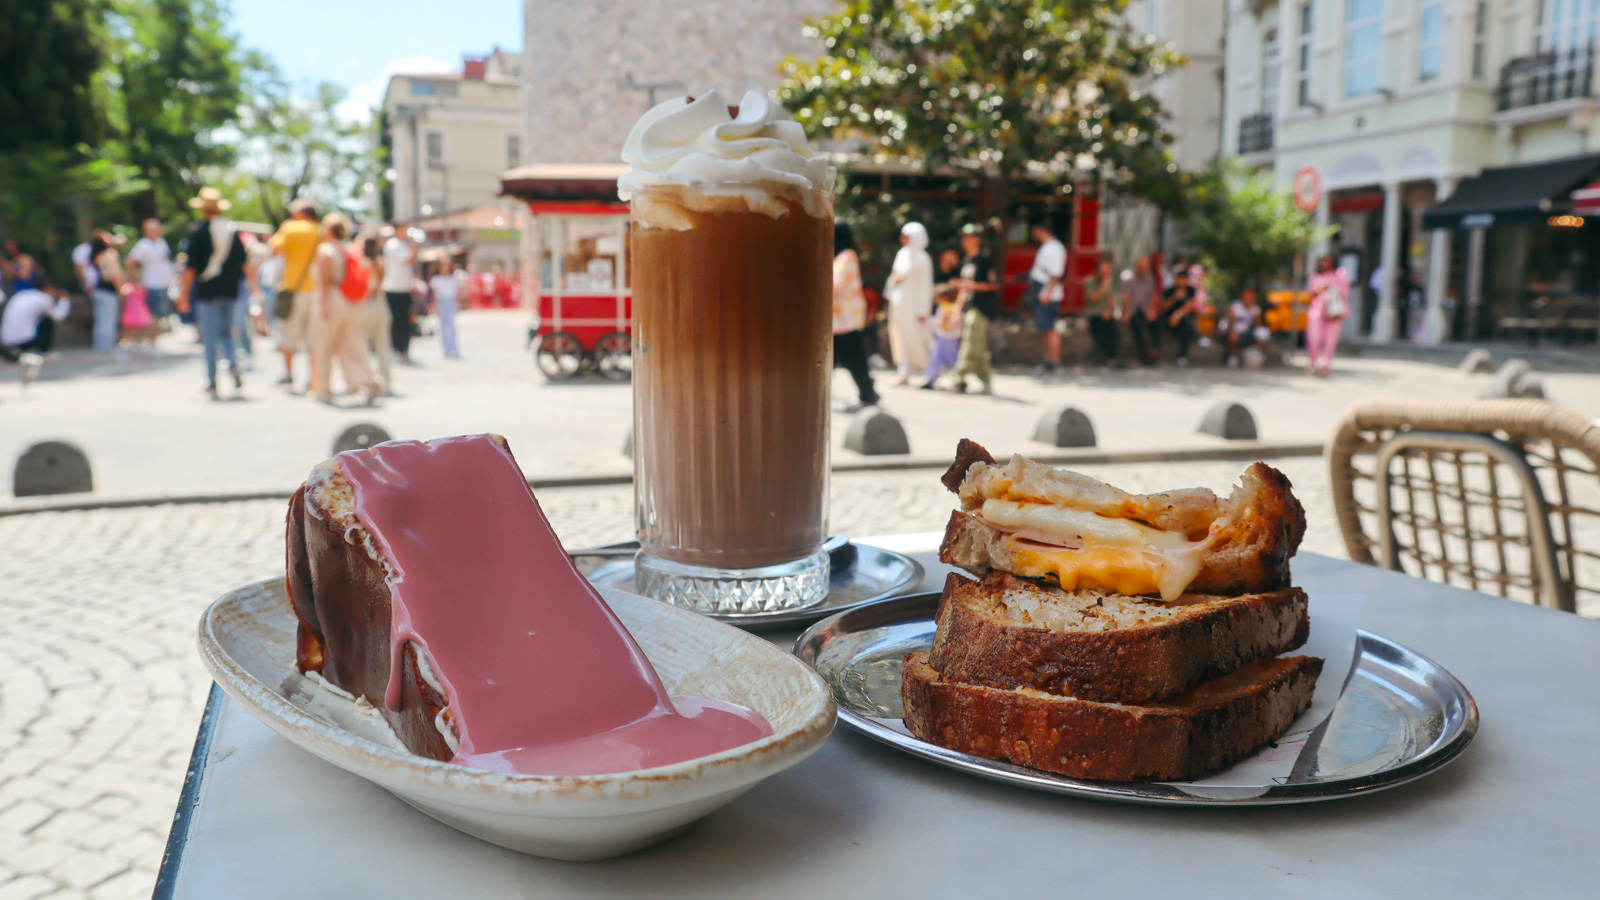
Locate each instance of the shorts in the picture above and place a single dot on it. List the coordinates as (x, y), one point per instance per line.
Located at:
(1044, 312)
(295, 331)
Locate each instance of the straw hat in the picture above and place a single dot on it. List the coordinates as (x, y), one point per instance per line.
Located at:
(210, 200)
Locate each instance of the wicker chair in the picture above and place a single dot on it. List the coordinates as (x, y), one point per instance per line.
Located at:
(1500, 496)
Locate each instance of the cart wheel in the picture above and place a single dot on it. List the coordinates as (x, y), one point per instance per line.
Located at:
(613, 356)
(560, 356)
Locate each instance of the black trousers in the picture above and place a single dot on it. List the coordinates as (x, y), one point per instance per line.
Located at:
(1146, 338)
(1187, 331)
(42, 339)
(850, 354)
(400, 320)
(1106, 338)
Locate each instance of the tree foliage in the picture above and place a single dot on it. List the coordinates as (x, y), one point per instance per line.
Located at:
(294, 145)
(1248, 233)
(51, 52)
(1007, 90)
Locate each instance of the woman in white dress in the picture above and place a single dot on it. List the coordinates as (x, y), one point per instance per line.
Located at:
(910, 296)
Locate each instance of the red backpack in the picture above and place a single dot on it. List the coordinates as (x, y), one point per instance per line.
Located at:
(356, 275)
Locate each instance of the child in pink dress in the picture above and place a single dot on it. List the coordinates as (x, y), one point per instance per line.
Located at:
(1330, 304)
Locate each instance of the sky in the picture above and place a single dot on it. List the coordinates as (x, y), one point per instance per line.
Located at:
(360, 43)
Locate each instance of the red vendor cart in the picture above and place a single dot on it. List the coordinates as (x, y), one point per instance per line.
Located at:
(584, 311)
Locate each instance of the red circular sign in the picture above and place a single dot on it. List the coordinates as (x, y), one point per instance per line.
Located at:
(1307, 188)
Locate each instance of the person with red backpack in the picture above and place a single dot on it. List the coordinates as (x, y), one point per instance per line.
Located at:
(338, 321)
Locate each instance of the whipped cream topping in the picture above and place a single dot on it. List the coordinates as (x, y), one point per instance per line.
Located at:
(683, 142)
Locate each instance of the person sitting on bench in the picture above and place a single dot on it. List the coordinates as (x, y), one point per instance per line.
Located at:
(28, 324)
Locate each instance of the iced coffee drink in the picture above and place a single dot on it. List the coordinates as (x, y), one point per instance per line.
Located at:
(732, 240)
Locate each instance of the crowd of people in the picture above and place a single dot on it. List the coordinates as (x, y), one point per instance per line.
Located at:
(938, 313)
(314, 287)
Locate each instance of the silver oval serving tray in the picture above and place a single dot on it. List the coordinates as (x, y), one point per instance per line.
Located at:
(875, 574)
(1400, 717)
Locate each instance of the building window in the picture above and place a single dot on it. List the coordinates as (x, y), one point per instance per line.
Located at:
(1305, 56)
(434, 148)
(1269, 72)
(1430, 41)
(1480, 36)
(1363, 47)
(513, 150)
(1566, 25)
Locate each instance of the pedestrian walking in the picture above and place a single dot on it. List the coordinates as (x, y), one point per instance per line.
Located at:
(946, 337)
(111, 283)
(296, 242)
(1140, 308)
(1044, 293)
(375, 311)
(980, 302)
(446, 286)
(1178, 313)
(249, 313)
(850, 317)
(150, 261)
(909, 293)
(399, 256)
(338, 323)
(1102, 302)
(215, 262)
(1330, 305)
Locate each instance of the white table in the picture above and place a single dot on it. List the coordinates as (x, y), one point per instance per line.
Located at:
(1517, 815)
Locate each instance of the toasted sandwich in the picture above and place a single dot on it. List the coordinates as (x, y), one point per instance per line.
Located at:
(1035, 521)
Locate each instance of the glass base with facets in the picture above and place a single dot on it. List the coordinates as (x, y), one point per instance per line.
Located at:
(732, 592)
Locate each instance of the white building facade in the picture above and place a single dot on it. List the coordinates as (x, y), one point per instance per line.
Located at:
(1395, 106)
(451, 135)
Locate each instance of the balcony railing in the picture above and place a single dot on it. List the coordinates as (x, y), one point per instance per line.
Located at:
(1546, 78)
(1255, 133)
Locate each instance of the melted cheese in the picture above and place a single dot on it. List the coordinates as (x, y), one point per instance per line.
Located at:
(1085, 550)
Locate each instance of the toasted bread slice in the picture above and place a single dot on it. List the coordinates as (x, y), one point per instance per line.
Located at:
(1106, 538)
(1196, 733)
(1007, 632)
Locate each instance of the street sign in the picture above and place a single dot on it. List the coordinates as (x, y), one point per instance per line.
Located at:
(1307, 188)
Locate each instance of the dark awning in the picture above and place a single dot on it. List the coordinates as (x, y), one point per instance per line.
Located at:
(1513, 194)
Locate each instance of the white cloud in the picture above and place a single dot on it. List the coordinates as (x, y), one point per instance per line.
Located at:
(366, 96)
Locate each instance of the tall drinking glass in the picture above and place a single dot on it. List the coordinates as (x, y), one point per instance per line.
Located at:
(733, 354)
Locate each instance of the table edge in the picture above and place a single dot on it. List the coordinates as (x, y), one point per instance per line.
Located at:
(189, 799)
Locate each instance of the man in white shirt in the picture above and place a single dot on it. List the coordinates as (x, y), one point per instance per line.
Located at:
(398, 256)
(446, 287)
(1045, 292)
(83, 261)
(150, 261)
(28, 324)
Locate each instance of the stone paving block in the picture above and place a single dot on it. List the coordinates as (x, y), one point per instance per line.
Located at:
(136, 882)
(28, 887)
(25, 816)
(85, 870)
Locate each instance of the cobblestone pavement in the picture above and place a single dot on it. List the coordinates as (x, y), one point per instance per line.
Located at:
(101, 688)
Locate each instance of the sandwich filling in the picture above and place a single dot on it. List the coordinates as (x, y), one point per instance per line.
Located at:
(1084, 549)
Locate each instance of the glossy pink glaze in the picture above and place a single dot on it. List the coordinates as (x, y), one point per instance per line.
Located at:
(540, 675)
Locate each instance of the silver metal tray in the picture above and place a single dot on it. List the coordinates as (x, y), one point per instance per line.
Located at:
(873, 574)
(1400, 717)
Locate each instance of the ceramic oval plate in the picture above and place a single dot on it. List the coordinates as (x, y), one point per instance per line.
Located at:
(247, 640)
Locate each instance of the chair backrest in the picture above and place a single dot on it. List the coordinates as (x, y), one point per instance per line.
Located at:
(1500, 496)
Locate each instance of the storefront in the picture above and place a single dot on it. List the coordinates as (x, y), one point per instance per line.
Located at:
(1532, 251)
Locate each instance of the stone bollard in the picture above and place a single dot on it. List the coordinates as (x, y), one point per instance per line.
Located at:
(52, 467)
(359, 437)
(1510, 381)
(1064, 426)
(1229, 421)
(874, 432)
(627, 443)
(1477, 362)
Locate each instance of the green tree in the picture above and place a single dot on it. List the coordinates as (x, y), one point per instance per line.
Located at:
(1248, 233)
(51, 51)
(293, 145)
(1007, 90)
(172, 80)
